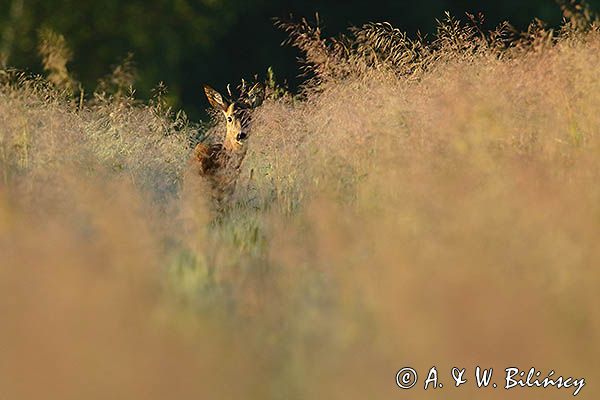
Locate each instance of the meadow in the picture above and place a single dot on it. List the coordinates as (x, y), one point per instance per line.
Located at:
(418, 203)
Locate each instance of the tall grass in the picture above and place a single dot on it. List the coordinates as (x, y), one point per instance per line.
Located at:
(421, 203)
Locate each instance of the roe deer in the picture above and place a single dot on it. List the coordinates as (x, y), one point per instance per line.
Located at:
(219, 162)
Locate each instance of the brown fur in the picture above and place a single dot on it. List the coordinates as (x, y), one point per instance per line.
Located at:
(219, 163)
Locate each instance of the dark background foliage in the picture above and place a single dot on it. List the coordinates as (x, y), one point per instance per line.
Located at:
(185, 43)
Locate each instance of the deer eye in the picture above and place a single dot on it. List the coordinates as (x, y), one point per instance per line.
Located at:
(229, 119)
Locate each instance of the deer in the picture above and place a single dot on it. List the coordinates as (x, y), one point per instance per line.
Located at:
(219, 163)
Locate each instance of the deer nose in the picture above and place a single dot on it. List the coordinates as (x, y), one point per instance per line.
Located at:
(241, 136)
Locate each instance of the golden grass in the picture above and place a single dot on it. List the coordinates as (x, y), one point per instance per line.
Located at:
(438, 209)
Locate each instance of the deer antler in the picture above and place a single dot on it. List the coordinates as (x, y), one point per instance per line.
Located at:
(252, 96)
(243, 88)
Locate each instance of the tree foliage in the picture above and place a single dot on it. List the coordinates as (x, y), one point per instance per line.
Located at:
(185, 43)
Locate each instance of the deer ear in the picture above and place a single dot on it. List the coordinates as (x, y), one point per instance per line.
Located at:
(256, 95)
(215, 99)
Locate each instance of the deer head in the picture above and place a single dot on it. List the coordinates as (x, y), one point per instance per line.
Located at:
(237, 112)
